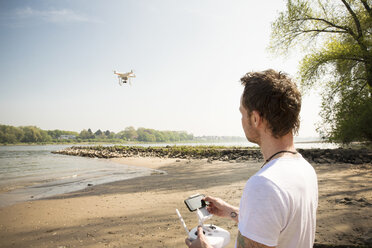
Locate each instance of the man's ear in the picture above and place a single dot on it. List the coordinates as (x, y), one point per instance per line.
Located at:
(256, 118)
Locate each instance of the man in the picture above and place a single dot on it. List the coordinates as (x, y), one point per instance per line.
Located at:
(278, 204)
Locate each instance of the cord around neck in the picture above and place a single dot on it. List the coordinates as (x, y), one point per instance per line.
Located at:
(283, 151)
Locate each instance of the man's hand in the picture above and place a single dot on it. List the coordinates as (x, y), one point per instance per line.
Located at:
(221, 208)
(200, 242)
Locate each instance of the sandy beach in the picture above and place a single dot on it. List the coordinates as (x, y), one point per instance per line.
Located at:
(140, 212)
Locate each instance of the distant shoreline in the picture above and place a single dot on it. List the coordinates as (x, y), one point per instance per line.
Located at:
(103, 143)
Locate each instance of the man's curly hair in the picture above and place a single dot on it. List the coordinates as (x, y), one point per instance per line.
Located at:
(276, 97)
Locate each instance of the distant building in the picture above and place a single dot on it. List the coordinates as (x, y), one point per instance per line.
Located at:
(67, 136)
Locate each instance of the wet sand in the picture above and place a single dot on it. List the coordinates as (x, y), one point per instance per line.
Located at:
(140, 212)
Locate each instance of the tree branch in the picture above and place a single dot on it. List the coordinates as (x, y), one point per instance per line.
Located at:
(322, 7)
(356, 20)
(323, 31)
(358, 79)
(367, 7)
(355, 94)
(309, 18)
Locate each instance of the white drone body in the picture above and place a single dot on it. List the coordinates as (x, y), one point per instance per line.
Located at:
(125, 77)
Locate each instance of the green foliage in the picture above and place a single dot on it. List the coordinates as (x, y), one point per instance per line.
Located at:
(98, 133)
(347, 115)
(152, 135)
(86, 134)
(10, 135)
(109, 135)
(31, 134)
(56, 134)
(338, 38)
(129, 134)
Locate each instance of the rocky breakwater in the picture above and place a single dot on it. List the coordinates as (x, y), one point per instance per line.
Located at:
(234, 154)
(340, 155)
(182, 152)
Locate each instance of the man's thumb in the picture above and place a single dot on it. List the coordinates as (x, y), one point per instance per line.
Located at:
(200, 231)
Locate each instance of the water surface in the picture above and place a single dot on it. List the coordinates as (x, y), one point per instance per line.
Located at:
(33, 172)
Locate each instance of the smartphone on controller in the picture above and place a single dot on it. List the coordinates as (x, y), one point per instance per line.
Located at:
(195, 202)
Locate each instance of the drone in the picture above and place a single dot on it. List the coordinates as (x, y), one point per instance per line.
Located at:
(125, 77)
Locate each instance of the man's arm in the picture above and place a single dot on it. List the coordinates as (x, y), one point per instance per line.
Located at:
(243, 242)
(221, 208)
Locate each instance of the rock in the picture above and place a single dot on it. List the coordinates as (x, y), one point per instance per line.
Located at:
(157, 172)
(225, 158)
(240, 159)
(318, 160)
(358, 161)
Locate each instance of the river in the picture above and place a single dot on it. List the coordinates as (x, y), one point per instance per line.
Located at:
(33, 172)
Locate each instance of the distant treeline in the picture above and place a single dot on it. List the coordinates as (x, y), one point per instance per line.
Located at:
(32, 134)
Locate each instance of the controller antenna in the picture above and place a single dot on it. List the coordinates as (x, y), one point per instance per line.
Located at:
(182, 222)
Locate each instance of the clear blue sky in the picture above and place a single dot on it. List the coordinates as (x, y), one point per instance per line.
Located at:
(57, 59)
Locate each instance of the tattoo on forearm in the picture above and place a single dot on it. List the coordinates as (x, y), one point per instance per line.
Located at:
(233, 215)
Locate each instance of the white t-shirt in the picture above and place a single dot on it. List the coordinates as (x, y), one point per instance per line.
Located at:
(278, 205)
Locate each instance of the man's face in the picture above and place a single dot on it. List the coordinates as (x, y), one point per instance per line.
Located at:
(250, 131)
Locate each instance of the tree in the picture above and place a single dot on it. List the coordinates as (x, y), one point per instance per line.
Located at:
(130, 133)
(33, 134)
(98, 132)
(10, 134)
(159, 136)
(338, 38)
(86, 134)
(109, 135)
(55, 134)
(145, 134)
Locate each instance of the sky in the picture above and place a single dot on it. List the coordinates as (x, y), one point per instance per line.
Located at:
(57, 60)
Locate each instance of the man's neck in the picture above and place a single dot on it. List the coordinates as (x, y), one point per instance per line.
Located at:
(270, 145)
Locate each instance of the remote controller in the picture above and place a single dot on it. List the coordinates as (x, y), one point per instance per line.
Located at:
(216, 236)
